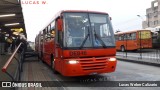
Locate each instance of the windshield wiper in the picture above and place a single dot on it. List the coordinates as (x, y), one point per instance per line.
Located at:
(99, 39)
(86, 37)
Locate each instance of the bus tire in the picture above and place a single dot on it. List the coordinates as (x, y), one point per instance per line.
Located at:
(41, 56)
(52, 64)
(134, 50)
(122, 48)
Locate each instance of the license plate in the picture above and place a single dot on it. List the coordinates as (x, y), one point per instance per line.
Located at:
(94, 73)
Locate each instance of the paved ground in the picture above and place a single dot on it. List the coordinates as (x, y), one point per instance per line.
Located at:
(126, 71)
(11, 69)
(37, 71)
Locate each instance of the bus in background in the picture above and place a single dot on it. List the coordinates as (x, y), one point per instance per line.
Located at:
(133, 40)
(36, 43)
(78, 43)
(39, 43)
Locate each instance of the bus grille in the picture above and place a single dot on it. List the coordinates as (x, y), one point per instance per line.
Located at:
(93, 64)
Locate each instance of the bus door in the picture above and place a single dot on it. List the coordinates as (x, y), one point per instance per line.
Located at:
(58, 47)
(145, 39)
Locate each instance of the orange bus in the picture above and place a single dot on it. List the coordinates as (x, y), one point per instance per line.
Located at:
(133, 40)
(78, 43)
(39, 43)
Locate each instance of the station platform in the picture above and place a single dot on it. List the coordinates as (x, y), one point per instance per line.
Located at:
(33, 70)
(3, 60)
(11, 69)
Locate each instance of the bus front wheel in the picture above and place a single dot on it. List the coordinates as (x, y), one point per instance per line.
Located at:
(52, 64)
(41, 57)
(122, 48)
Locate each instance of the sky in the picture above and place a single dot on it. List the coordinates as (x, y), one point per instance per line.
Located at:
(38, 15)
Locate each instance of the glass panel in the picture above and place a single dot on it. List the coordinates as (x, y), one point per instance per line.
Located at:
(145, 34)
(101, 27)
(133, 35)
(76, 29)
(87, 30)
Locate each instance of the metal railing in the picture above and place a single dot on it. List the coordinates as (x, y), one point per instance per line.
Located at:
(147, 55)
(16, 76)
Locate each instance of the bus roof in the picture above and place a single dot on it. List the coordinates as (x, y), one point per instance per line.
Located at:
(83, 11)
(131, 31)
(62, 11)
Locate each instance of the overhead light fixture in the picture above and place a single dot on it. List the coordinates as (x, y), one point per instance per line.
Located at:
(16, 33)
(11, 24)
(17, 29)
(75, 16)
(7, 34)
(7, 15)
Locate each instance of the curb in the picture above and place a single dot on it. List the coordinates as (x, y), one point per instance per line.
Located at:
(140, 62)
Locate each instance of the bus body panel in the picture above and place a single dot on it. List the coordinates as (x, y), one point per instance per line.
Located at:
(89, 62)
(89, 53)
(144, 42)
(85, 66)
(48, 51)
(79, 70)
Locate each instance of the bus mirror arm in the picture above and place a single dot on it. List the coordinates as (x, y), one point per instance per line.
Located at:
(110, 18)
(60, 24)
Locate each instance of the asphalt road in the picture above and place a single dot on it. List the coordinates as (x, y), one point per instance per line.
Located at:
(125, 71)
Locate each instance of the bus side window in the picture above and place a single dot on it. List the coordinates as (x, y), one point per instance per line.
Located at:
(44, 35)
(116, 37)
(121, 37)
(133, 36)
(49, 32)
(124, 37)
(52, 31)
(129, 37)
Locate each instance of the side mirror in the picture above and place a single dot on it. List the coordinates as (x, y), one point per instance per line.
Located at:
(110, 18)
(60, 24)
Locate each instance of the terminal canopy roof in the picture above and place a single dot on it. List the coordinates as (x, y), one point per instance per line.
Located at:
(11, 17)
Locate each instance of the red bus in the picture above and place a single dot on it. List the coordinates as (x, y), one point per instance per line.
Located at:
(133, 40)
(39, 43)
(78, 43)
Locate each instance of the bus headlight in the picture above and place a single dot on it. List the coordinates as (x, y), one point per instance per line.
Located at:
(112, 59)
(72, 62)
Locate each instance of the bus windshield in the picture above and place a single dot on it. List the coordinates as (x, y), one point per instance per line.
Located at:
(145, 34)
(83, 30)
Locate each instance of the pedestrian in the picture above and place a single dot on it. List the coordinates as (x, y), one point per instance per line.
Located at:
(13, 45)
(9, 42)
(21, 39)
(2, 43)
